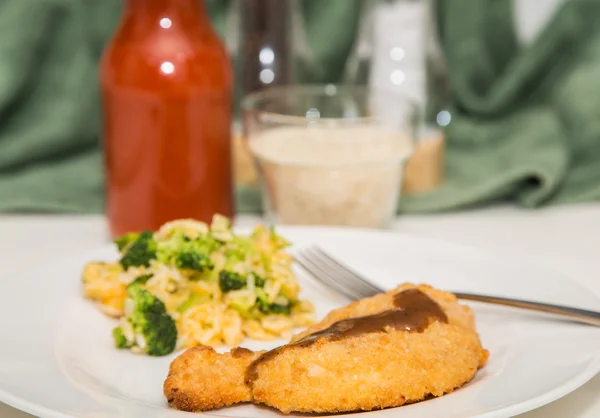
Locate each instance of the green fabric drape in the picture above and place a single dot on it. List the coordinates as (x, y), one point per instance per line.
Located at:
(525, 120)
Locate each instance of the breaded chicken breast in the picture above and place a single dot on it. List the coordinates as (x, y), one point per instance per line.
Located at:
(394, 348)
(201, 379)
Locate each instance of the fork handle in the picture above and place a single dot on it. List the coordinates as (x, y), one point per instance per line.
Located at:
(580, 315)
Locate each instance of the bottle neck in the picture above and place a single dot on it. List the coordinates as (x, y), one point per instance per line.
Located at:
(143, 14)
(167, 8)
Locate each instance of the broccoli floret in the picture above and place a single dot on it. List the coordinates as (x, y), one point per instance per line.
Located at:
(120, 339)
(265, 307)
(124, 240)
(229, 281)
(184, 253)
(258, 281)
(274, 308)
(154, 330)
(140, 252)
(188, 259)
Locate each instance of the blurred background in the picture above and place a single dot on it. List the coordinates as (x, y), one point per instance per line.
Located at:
(490, 101)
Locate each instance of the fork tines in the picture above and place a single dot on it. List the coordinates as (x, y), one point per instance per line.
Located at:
(334, 275)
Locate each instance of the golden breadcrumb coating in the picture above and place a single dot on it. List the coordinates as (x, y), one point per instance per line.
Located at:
(360, 372)
(202, 379)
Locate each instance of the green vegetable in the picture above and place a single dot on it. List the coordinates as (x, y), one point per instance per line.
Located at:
(258, 281)
(120, 340)
(237, 250)
(187, 254)
(242, 304)
(140, 252)
(273, 308)
(154, 329)
(188, 258)
(263, 305)
(229, 281)
(276, 309)
(143, 279)
(124, 240)
(193, 300)
(166, 249)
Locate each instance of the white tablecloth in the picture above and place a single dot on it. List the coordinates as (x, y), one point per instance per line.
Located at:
(563, 238)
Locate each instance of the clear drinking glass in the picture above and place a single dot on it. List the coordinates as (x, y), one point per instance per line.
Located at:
(329, 155)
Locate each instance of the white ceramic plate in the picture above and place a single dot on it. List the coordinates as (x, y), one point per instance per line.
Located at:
(57, 358)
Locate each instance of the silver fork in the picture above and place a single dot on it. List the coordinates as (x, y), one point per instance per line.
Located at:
(343, 280)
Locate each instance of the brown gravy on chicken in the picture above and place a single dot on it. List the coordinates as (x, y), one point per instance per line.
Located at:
(413, 311)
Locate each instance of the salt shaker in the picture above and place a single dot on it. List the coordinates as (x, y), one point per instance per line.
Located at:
(397, 50)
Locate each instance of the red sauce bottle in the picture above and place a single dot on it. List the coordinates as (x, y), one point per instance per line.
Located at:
(166, 85)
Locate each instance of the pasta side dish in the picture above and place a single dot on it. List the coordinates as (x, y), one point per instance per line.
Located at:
(191, 283)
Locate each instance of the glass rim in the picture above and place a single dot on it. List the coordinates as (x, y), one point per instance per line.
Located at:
(251, 102)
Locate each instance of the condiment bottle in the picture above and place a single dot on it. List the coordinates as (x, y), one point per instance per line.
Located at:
(266, 44)
(269, 40)
(166, 85)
